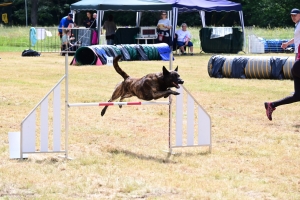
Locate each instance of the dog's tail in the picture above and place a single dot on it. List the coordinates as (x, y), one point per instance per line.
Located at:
(118, 69)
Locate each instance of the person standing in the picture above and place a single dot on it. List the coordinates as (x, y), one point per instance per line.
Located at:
(295, 97)
(64, 23)
(94, 29)
(163, 29)
(89, 21)
(95, 19)
(110, 30)
(184, 39)
(295, 15)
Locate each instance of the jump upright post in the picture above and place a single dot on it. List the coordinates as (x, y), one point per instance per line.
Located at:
(184, 133)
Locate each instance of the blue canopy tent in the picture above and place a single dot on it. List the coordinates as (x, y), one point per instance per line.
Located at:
(203, 6)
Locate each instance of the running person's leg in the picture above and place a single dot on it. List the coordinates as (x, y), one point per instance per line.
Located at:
(271, 106)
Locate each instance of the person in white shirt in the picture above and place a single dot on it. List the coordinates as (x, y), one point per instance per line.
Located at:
(184, 39)
(295, 15)
(163, 29)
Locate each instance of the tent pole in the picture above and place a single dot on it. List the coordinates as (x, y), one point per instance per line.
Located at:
(202, 15)
(26, 13)
(243, 29)
(99, 25)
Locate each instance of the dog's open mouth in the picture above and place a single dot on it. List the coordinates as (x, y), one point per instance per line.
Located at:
(176, 85)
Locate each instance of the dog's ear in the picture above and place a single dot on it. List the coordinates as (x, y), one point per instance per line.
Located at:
(176, 69)
(165, 71)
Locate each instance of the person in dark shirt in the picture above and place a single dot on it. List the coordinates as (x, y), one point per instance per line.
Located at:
(89, 22)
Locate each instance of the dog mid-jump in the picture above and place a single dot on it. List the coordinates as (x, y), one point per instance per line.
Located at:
(152, 86)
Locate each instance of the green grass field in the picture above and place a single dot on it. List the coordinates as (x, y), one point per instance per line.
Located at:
(120, 155)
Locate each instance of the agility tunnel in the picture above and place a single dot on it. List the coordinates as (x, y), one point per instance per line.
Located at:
(259, 67)
(97, 54)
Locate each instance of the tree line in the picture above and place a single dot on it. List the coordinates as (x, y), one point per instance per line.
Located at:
(262, 13)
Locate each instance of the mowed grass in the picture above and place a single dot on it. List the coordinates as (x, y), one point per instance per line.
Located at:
(120, 155)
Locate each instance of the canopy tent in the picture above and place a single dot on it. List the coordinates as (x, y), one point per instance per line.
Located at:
(117, 5)
(203, 6)
(172, 6)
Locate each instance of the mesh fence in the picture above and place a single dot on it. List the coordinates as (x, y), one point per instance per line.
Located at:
(42, 39)
(18, 39)
(268, 40)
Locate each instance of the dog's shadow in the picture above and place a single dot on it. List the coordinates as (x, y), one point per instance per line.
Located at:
(296, 126)
(168, 158)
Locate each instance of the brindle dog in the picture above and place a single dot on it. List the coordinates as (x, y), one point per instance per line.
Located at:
(152, 86)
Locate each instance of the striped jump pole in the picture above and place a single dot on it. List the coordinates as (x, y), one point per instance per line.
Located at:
(119, 103)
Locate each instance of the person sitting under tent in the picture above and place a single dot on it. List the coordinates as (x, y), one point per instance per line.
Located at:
(163, 29)
(183, 39)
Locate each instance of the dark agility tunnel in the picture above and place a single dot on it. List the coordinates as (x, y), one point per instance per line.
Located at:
(85, 56)
(260, 67)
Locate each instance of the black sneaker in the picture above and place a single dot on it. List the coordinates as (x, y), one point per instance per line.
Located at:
(269, 110)
(192, 54)
(183, 53)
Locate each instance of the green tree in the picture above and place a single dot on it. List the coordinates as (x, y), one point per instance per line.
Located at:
(43, 13)
(268, 13)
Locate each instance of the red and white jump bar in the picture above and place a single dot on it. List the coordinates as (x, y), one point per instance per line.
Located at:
(120, 103)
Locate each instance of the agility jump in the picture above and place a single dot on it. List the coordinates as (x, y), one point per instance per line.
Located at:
(28, 135)
(120, 103)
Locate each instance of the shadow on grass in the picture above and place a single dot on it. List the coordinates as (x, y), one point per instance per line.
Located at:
(140, 156)
(296, 126)
(167, 159)
(42, 159)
